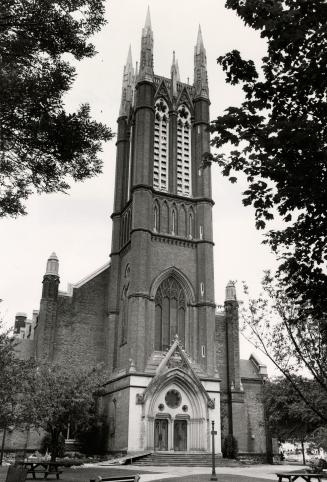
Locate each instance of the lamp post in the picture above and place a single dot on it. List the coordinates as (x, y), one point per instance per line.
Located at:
(213, 433)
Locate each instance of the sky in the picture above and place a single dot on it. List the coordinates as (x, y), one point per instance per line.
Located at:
(78, 226)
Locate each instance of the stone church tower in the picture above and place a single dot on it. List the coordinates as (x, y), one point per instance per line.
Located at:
(162, 248)
(150, 313)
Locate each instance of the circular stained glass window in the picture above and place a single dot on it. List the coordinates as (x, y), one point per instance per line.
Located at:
(173, 398)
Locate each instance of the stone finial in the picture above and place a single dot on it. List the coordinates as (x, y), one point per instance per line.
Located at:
(200, 68)
(128, 85)
(52, 265)
(146, 62)
(231, 291)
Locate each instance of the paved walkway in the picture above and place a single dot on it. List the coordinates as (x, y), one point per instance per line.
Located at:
(261, 472)
(248, 473)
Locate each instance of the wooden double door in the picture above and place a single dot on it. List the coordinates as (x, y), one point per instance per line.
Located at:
(161, 435)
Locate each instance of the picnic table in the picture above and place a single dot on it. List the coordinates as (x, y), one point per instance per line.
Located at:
(43, 467)
(293, 476)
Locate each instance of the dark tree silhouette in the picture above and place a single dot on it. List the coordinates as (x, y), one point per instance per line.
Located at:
(42, 147)
(279, 137)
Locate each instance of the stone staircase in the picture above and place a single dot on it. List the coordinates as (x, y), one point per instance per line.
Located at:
(198, 459)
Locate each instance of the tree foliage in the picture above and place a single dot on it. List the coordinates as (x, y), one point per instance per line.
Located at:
(14, 384)
(289, 417)
(42, 146)
(62, 395)
(275, 325)
(279, 137)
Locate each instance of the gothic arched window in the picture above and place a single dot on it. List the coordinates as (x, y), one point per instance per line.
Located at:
(124, 315)
(184, 151)
(170, 309)
(156, 217)
(161, 133)
(191, 224)
(173, 221)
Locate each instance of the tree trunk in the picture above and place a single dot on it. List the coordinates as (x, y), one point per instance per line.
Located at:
(303, 452)
(54, 445)
(3, 444)
(27, 440)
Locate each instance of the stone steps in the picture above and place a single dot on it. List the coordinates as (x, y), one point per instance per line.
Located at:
(183, 459)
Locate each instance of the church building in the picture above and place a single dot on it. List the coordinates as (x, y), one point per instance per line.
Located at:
(149, 314)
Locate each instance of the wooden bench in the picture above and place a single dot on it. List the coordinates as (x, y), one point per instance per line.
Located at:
(121, 478)
(293, 476)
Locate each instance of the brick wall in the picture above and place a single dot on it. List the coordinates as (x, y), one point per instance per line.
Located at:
(254, 418)
(117, 408)
(22, 440)
(80, 331)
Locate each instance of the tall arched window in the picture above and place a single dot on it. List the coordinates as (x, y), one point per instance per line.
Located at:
(184, 151)
(170, 308)
(124, 315)
(161, 133)
(173, 221)
(191, 224)
(156, 217)
(164, 225)
(182, 221)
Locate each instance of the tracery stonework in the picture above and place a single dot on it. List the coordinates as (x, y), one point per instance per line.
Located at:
(170, 308)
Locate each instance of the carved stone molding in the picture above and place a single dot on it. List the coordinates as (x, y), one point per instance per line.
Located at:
(140, 399)
(211, 403)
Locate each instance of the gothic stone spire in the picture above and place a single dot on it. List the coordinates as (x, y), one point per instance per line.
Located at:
(174, 76)
(146, 62)
(200, 68)
(128, 86)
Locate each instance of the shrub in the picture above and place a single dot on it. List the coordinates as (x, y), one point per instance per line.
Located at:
(230, 447)
(318, 465)
(47, 447)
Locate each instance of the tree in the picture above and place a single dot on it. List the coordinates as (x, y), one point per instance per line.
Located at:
(15, 377)
(279, 138)
(62, 395)
(289, 417)
(42, 147)
(295, 345)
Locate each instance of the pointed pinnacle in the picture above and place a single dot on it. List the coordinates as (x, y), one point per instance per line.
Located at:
(174, 60)
(129, 56)
(148, 19)
(177, 71)
(199, 42)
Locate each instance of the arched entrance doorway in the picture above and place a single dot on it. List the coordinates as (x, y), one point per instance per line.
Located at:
(170, 434)
(161, 434)
(176, 414)
(180, 435)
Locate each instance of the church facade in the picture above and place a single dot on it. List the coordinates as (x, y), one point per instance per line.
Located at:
(150, 315)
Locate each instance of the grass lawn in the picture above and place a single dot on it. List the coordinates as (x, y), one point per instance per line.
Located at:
(220, 477)
(79, 474)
